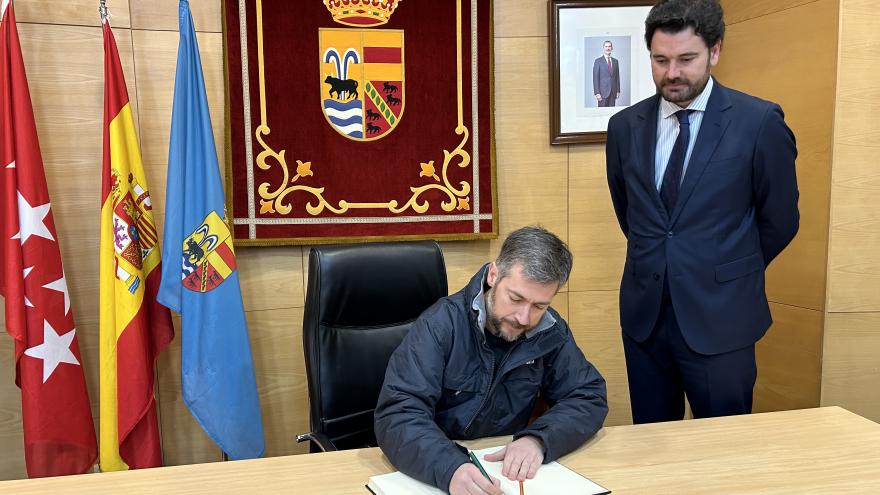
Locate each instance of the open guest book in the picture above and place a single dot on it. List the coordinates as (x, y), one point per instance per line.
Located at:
(552, 479)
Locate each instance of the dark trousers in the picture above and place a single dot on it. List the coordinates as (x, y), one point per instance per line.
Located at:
(608, 101)
(663, 369)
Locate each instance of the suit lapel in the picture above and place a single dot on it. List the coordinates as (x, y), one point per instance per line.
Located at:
(646, 144)
(715, 122)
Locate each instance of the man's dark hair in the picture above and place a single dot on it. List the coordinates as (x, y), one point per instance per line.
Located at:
(674, 16)
(544, 258)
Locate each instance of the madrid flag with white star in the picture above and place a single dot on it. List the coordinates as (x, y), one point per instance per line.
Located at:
(59, 435)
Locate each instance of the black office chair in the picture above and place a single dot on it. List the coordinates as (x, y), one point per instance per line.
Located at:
(360, 303)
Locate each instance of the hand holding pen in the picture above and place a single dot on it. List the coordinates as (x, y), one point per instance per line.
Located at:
(470, 478)
(477, 463)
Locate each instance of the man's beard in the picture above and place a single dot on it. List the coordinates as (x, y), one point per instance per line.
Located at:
(493, 323)
(689, 93)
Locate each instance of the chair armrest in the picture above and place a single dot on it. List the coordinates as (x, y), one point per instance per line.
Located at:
(318, 439)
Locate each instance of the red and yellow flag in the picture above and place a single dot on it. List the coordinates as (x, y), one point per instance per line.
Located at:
(134, 327)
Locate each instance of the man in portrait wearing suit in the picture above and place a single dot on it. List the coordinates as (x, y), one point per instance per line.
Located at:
(703, 183)
(606, 77)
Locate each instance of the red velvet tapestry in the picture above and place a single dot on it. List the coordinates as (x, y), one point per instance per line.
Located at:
(354, 120)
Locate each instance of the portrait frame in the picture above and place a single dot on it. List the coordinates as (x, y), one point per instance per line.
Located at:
(578, 32)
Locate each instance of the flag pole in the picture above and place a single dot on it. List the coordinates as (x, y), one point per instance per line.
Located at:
(102, 9)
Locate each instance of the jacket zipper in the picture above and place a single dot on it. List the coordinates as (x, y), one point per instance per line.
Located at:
(492, 385)
(485, 399)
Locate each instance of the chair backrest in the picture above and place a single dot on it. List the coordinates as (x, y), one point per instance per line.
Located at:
(360, 302)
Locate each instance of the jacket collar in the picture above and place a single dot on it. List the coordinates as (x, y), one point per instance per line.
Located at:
(715, 122)
(476, 294)
(645, 137)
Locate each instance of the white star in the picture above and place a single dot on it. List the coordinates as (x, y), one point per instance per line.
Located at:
(54, 350)
(31, 220)
(27, 272)
(61, 286)
(11, 165)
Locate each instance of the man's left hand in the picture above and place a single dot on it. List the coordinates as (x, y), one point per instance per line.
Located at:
(522, 458)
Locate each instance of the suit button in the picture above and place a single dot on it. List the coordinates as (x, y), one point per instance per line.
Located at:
(669, 234)
(656, 276)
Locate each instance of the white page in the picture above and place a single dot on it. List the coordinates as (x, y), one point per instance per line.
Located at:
(552, 479)
(397, 483)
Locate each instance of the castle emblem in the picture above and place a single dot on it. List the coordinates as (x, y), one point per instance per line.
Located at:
(134, 233)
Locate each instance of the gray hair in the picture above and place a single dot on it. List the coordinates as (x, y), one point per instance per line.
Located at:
(544, 258)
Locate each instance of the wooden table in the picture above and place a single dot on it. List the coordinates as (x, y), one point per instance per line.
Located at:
(826, 450)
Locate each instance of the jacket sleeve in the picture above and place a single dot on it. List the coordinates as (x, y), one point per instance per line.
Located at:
(614, 171)
(595, 79)
(404, 420)
(775, 184)
(575, 391)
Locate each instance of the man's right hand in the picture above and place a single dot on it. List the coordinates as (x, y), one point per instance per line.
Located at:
(467, 479)
(598, 97)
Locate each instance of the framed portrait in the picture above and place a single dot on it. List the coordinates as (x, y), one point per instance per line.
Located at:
(599, 65)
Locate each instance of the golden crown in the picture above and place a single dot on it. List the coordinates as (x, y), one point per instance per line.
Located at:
(361, 13)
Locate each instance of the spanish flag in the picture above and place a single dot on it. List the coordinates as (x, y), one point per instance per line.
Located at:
(134, 327)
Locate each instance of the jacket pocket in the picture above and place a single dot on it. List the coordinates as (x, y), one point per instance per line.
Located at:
(739, 268)
(515, 397)
(531, 371)
(738, 166)
(458, 390)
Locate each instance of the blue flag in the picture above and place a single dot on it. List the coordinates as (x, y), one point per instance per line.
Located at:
(199, 276)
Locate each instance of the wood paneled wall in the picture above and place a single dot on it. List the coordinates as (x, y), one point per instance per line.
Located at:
(561, 187)
(851, 371)
(786, 52)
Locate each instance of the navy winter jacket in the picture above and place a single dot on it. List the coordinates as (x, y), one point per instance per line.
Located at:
(439, 386)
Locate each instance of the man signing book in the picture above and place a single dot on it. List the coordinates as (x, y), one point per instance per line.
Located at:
(473, 366)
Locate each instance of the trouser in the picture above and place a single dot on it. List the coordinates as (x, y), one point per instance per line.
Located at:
(608, 101)
(663, 369)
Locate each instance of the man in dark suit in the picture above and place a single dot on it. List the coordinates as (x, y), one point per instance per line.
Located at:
(703, 182)
(606, 77)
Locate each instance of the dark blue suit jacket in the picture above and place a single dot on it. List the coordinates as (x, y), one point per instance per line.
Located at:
(737, 210)
(606, 83)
